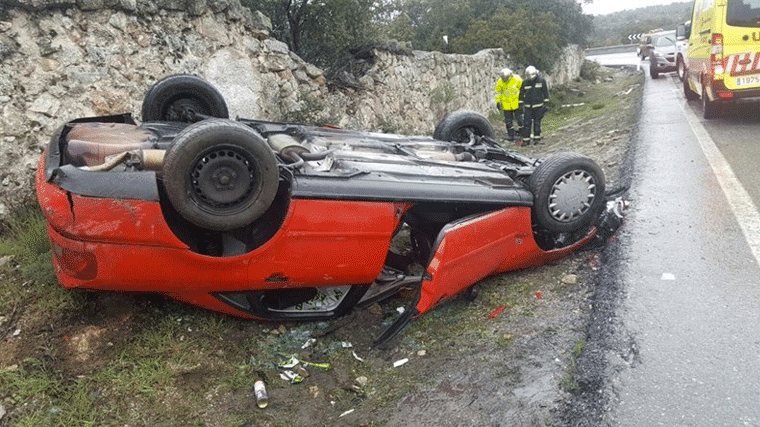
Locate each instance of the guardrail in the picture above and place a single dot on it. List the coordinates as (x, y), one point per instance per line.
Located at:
(611, 49)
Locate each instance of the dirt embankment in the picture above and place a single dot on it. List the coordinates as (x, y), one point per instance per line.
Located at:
(508, 358)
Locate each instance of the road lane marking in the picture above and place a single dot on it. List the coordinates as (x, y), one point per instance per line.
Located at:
(739, 201)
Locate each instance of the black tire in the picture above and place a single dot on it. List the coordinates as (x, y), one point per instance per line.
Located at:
(457, 125)
(680, 68)
(653, 72)
(568, 192)
(687, 92)
(710, 109)
(220, 175)
(183, 98)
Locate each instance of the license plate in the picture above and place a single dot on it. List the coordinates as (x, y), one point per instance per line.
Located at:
(749, 80)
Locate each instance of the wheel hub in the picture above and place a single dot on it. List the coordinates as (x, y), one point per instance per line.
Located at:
(572, 195)
(184, 110)
(223, 178)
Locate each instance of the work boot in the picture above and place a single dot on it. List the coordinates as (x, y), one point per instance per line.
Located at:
(536, 139)
(510, 135)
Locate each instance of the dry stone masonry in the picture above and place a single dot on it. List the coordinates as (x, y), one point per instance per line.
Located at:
(67, 59)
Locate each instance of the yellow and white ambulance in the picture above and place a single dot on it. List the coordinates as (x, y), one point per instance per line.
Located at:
(723, 59)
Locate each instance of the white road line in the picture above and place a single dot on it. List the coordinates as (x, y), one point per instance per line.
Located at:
(741, 203)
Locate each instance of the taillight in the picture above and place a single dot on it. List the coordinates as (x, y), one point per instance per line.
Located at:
(716, 54)
(78, 264)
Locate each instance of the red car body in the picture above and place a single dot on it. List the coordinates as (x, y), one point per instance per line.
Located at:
(343, 218)
(125, 245)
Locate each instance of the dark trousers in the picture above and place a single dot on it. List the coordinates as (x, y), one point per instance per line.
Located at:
(511, 116)
(533, 117)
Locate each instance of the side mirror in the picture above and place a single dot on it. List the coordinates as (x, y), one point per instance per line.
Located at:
(681, 32)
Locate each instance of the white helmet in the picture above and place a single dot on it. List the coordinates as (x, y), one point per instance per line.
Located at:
(531, 72)
(506, 74)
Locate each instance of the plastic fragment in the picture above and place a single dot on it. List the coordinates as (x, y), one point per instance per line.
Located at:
(346, 413)
(291, 376)
(497, 312)
(400, 362)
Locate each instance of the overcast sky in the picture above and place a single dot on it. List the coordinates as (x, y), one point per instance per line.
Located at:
(602, 7)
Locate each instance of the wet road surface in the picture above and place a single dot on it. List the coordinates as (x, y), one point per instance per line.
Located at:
(682, 346)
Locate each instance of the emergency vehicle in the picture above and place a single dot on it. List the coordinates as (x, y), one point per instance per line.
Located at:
(723, 61)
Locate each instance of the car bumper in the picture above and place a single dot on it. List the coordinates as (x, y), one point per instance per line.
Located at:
(664, 65)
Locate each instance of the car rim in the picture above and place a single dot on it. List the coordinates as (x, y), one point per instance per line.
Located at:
(572, 195)
(222, 178)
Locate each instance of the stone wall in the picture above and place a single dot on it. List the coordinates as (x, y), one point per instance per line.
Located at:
(68, 59)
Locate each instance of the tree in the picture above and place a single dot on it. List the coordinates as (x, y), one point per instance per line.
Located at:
(530, 39)
(531, 31)
(319, 30)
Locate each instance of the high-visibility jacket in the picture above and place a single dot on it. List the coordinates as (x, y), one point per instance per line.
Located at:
(508, 93)
(534, 93)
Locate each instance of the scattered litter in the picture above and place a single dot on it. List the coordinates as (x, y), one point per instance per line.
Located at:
(310, 342)
(400, 362)
(421, 353)
(291, 376)
(539, 295)
(400, 310)
(17, 332)
(668, 276)
(497, 312)
(262, 399)
(324, 366)
(357, 357)
(294, 370)
(314, 390)
(570, 279)
(594, 261)
(289, 363)
(300, 370)
(345, 344)
(362, 381)
(346, 413)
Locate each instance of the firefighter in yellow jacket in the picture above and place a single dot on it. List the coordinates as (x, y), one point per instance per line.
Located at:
(508, 101)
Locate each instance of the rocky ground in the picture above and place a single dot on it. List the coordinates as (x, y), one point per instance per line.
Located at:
(506, 359)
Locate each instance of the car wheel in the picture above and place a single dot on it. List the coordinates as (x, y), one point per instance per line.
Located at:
(710, 109)
(220, 174)
(458, 125)
(653, 70)
(687, 92)
(681, 67)
(183, 98)
(568, 192)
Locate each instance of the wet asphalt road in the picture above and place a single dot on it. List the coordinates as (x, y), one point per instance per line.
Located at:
(680, 340)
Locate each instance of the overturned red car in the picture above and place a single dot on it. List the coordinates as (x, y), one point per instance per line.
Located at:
(285, 221)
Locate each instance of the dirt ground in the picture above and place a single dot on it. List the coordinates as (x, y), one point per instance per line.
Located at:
(505, 359)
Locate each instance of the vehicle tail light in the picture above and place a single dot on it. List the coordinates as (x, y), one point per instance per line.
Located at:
(720, 89)
(78, 264)
(716, 54)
